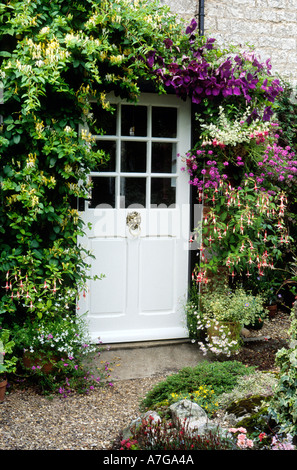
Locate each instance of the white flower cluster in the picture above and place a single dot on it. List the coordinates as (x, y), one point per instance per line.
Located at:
(233, 132)
(220, 344)
(66, 337)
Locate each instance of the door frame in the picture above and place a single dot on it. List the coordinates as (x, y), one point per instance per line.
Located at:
(183, 140)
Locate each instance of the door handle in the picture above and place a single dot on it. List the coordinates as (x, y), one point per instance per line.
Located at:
(133, 221)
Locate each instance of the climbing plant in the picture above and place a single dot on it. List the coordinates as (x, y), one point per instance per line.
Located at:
(57, 58)
(239, 168)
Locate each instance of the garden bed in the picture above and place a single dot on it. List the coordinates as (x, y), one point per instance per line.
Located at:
(29, 421)
(260, 348)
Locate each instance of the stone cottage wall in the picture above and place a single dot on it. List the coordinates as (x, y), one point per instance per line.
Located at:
(268, 25)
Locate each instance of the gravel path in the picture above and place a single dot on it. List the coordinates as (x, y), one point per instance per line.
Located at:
(32, 422)
(29, 421)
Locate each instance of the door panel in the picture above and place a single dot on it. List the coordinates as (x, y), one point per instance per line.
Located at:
(143, 256)
(115, 280)
(157, 286)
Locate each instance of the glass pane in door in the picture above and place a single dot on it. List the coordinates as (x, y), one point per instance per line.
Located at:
(163, 157)
(132, 191)
(133, 157)
(164, 122)
(103, 192)
(163, 192)
(134, 120)
(104, 122)
(109, 147)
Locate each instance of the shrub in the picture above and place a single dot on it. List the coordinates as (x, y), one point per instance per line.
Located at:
(219, 376)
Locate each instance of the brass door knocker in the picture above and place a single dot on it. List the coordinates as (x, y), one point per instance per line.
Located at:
(133, 221)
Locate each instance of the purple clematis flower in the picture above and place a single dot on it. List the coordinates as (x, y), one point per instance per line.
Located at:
(267, 113)
(191, 27)
(212, 87)
(233, 87)
(151, 58)
(168, 43)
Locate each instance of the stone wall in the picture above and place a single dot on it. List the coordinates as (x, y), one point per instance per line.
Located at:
(268, 25)
(185, 8)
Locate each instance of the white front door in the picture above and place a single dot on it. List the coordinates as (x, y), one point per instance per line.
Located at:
(139, 215)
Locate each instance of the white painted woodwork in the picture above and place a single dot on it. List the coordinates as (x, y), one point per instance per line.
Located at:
(143, 293)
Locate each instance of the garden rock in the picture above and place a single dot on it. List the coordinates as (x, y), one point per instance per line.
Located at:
(246, 406)
(193, 417)
(135, 423)
(184, 413)
(187, 410)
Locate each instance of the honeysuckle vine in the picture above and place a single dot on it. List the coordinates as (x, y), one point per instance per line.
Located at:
(57, 60)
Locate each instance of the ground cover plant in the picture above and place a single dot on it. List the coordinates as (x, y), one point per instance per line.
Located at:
(219, 377)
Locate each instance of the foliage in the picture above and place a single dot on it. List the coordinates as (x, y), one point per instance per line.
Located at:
(259, 383)
(209, 75)
(245, 228)
(219, 313)
(58, 59)
(192, 311)
(236, 306)
(220, 377)
(67, 378)
(238, 168)
(62, 337)
(162, 435)
(283, 407)
(286, 112)
(63, 342)
(7, 360)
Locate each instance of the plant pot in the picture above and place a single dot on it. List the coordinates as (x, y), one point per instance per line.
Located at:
(233, 327)
(257, 325)
(41, 361)
(272, 310)
(3, 384)
(222, 331)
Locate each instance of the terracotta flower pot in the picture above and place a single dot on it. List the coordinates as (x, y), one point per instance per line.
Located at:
(3, 384)
(272, 310)
(30, 361)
